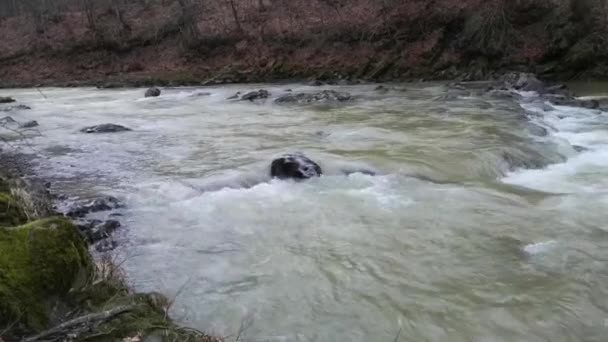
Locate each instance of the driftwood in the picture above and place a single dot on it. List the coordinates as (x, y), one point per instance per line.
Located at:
(86, 321)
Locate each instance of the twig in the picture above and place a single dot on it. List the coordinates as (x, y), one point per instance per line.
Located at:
(246, 323)
(41, 93)
(398, 334)
(9, 327)
(89, 319)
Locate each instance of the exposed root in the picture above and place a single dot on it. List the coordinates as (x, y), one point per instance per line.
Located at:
(75, 327)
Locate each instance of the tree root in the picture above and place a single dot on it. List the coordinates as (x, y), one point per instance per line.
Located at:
(77, 324)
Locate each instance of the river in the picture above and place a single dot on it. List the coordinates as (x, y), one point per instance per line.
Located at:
(485, 221)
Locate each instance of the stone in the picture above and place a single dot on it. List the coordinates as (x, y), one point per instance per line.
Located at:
(294, 166)
(105, 128)
(255, 95)
(152, 92)
(100, 204)
(323, 96)
(29, 124)
(6, 99)
(235, 96)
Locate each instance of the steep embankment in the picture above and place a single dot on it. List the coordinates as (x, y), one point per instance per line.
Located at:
(52, 289)
(188, 42)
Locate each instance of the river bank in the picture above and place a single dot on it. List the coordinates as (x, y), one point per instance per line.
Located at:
(52, 288)
(189, 43)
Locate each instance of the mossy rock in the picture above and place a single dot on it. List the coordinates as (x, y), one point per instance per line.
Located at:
(11, 213)
(39, 263)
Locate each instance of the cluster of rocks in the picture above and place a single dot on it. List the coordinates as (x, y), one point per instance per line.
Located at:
(14, 108)
(294, 98)
(256, 95)
(8, 121)
(559, 94)
(94, 230)
(322, 96)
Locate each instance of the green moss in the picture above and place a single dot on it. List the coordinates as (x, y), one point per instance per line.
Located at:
(39, 263)
(11, 214)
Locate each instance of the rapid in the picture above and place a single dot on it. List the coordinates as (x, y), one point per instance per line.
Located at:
(485, 219)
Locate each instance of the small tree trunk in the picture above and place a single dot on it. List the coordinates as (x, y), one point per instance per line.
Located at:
(236, 16)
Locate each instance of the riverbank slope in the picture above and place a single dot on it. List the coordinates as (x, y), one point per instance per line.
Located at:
(51, 288)
(190, 43)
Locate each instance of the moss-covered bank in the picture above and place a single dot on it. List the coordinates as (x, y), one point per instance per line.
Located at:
(52, 289)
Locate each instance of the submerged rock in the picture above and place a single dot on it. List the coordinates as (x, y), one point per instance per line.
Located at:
(105, 128)
(29, 124)
(101, 231)
(294, 166)
(235, 96)
(152, 92)
(6, 99)
(575, 102)
(537, 130)
(503, 94)
(100, 204)
(323, 96)
(315, 83)
(524, 82)
(255, 95)
(13, 108)
(8, 120)
(579, 148)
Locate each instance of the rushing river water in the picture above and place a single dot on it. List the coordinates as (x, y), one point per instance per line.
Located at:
(477, 227)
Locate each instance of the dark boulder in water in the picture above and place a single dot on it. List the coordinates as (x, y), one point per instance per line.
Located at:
(29, 124)
(6, 99)
(294, 166)
(254, 95)
(152, 92)
(105, 128)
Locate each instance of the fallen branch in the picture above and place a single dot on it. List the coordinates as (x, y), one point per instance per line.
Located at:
(87, 320)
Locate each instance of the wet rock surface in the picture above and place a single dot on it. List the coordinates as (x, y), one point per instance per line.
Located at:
(14, 108)
(6, 99)
(294, 166)
(105, 128)
(152, 92)
(29, 124)
(322, 96)
(100, 204)
(256, 95)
